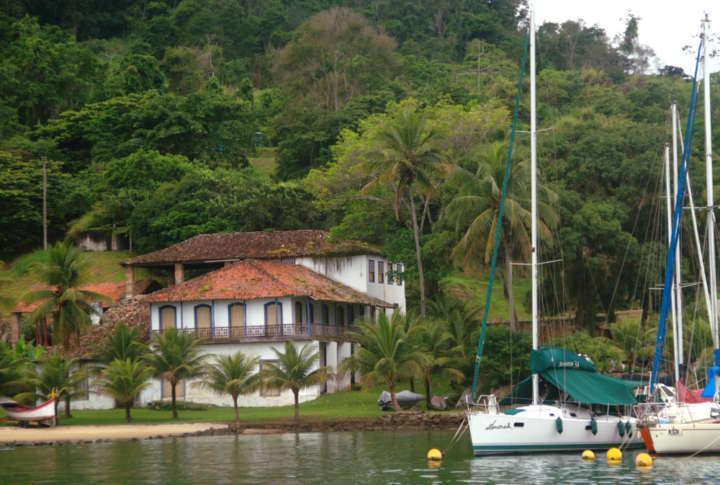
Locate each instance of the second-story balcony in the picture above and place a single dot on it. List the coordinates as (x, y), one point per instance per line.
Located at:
(271, 333)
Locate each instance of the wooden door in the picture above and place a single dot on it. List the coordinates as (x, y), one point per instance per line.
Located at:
(167, 317)
(237, 319)
(273, 318)
(203, 319)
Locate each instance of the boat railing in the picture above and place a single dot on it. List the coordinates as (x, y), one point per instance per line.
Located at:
(485, 403)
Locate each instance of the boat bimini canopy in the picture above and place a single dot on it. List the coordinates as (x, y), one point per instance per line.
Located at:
(567, 372)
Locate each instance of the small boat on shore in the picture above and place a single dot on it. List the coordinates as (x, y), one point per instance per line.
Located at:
(43, 412)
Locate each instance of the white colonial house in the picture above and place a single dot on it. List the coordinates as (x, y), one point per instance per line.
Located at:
(256, 290)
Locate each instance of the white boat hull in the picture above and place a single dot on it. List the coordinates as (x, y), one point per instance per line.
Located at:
(534, 430)
(683, 438)
(44, 412)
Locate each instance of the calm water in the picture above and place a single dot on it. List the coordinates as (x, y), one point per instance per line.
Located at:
(353, 457)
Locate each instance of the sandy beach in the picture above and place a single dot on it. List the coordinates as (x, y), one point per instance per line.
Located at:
(70, 434)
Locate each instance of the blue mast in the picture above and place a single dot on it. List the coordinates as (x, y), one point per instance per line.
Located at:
(677, 217)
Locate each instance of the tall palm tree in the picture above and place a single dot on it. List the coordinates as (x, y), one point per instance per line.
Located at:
(475, 208)
(124, 379)
(293, 370)
(61, 377)
(406, 161)
(175, 357)
(436, 343)
(122, 343)
(234, 375)
(63, 269)
(386, 353)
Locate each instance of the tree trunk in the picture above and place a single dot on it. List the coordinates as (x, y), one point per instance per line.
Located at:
(393, 399)
(412, 384)
(418, 253)
(67, 407)
(237, 417)
(45, 337)
(509, 288)
(127, 411)
(57, 418)
(37, 334)
(428, 392)
(174, 405)
(296, 393)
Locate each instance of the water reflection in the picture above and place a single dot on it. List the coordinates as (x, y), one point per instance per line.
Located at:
(357, 457)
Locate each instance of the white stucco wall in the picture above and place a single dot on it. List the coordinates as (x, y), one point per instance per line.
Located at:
(196, 392)
(96, 399)
(353, 272)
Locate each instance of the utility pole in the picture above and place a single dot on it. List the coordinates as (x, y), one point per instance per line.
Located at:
(44, 165)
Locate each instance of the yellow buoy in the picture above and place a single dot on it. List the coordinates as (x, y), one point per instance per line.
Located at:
(643, 459)
(588, 455)
(614, 455)
(434, 455)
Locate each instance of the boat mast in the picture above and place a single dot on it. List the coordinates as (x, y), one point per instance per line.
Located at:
(673, 305)
(678, 330)
(533, 201)
(696, 232)
(709, 186)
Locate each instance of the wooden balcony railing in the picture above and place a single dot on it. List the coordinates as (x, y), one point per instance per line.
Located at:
(255, 333)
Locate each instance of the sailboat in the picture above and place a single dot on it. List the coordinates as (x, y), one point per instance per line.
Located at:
(570, 405)
(678, 424)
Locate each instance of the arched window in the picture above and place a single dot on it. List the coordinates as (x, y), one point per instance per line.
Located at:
(203, 317)
(168, 317)
(236, 315)
(273, 318)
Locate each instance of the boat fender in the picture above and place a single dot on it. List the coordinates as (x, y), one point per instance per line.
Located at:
(559, 425)
(593, 425)
(621, 428)
(628, 428)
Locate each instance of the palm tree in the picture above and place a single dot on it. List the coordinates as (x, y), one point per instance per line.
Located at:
(474, 211)
(635, 340)
(124, 380)
(435, 342)
(12, 370)
(386, 353)
(406, 162)
(294, 371)
(122, 343)
(234, 375)
(176, 357)
(59, 377)
(64, 270)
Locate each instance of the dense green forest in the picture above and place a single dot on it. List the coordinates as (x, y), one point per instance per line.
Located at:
(386, 119)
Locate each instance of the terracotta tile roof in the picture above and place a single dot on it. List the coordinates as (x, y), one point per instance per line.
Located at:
(233, 246)
(252, 279)
(115, 291)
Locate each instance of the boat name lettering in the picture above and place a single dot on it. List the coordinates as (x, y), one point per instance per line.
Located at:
(566, 363)
(493, 426)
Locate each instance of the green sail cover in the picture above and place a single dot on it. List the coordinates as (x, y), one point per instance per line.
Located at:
(563, 370)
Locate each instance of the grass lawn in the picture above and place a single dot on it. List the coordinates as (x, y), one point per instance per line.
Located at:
(338, 406)
(474, 288)
(264, 162)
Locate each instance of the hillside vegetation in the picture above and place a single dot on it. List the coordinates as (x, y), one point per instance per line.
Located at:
(384, 121)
